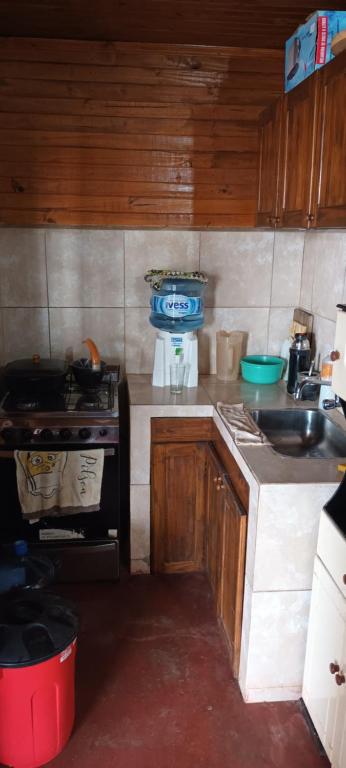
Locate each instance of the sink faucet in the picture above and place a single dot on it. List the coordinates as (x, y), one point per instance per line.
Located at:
(329, 404)
(314, 379)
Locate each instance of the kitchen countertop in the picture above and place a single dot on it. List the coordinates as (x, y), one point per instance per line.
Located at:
(267, 466)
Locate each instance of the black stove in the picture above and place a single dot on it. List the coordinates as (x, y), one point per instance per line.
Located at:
(71, 417)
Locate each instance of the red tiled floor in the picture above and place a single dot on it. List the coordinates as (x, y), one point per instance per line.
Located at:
(154, 687)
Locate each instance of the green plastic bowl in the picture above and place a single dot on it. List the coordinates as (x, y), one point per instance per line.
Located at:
(261, 369)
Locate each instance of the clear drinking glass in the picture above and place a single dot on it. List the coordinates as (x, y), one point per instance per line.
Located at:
(177, 378)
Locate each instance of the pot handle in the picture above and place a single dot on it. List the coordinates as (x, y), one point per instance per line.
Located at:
(94, 354)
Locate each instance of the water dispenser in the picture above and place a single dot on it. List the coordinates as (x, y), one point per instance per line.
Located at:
(177, 311)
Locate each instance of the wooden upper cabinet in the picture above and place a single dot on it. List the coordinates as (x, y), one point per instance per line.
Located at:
(298, 153)
(269, 164)
(330, 168)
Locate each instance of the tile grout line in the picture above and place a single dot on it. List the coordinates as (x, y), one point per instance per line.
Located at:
(301, 272)
(271, 292)
(124, 302)
(47, 293)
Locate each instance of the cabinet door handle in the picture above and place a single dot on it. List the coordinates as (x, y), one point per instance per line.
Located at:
(276, 220)
(269, 220)
(333, 668)
(340, 679)
(310, 217)
(217, 479)
(344, 578)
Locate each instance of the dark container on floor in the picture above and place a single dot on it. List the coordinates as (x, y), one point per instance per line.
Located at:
(38, 636)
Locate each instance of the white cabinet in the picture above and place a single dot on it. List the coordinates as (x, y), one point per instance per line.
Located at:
(339, 740)
(324, 685)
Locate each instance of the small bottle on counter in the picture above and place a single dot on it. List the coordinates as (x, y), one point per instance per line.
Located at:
(327, 368)
(326, 392)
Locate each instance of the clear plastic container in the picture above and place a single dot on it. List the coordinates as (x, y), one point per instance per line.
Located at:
(229, 346)
(327, 368)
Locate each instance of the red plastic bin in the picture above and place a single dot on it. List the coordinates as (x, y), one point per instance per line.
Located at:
(37, 702)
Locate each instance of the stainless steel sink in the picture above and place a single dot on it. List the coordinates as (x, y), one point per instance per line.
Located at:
(302, 433)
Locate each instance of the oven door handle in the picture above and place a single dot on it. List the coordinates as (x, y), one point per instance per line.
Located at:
(9, 454)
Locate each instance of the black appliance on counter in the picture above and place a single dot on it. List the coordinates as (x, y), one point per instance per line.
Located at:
(89, 546)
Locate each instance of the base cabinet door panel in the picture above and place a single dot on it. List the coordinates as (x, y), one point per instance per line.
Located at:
(233, 567)
(214, 523)
(225, 552)
(322, 695)
(178, 507)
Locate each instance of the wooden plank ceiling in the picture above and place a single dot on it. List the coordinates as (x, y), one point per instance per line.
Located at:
(249, 23)
(121, 134)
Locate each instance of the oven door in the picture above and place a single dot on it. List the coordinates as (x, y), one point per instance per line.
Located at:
(85, 545)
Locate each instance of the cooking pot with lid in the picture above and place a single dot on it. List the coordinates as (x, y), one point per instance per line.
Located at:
(35, 376)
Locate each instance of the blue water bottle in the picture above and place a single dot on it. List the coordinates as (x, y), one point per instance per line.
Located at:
(177, 303)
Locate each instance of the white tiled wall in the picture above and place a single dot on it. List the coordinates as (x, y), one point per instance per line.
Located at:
(59, 286)
(324, 283)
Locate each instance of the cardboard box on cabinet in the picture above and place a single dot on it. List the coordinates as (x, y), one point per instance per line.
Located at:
(310, 46)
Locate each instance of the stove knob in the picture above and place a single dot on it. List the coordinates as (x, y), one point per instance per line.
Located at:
(7, 434)
(46, 434)
(103, 432)
(84, 433)
(26, 435)
(65, 433)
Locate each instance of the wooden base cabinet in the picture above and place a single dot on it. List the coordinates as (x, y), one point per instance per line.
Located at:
(225, 551)
(324, 686)
(198, 522)
(178, 507)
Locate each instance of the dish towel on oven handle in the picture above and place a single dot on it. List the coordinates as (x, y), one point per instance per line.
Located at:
(55, 483)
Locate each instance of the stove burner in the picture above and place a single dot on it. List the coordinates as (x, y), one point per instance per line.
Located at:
(90, 401)
(102, 400)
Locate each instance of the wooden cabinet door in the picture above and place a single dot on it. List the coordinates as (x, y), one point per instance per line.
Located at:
(330, 167)
(324, 647)
(214, 522)
(177, 507)
(298, 141)
(232, 571)
(269, 165)
(225, 552)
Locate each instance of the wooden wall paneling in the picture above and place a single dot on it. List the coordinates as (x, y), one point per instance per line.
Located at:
(111, 134)
(264, 23)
